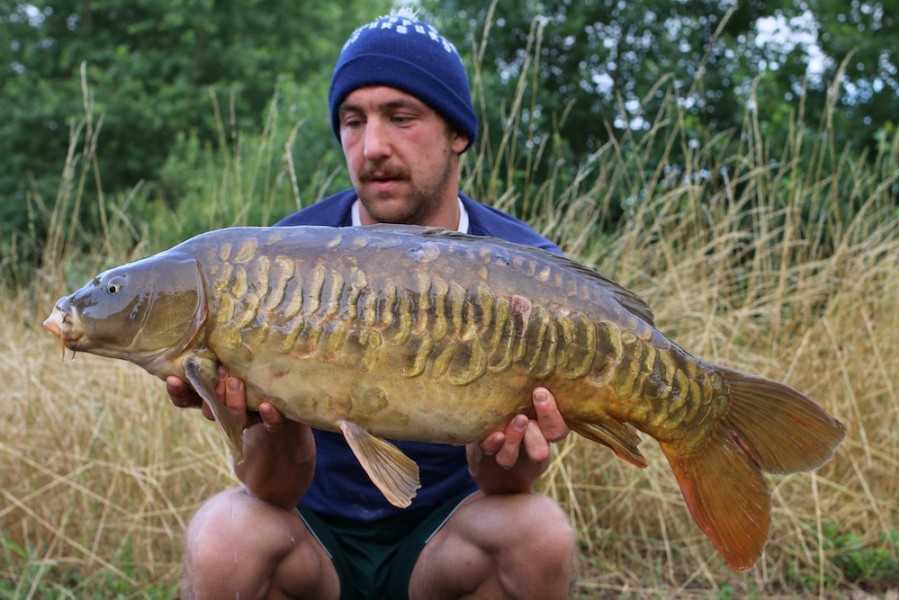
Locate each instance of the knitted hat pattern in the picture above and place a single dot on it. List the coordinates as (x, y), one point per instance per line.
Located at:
(405, 53)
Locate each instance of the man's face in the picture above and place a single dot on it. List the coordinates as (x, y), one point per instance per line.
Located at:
(402, 158)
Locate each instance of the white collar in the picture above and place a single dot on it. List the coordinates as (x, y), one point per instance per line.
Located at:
(463, 215)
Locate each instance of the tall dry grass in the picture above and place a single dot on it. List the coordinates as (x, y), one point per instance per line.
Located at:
(746, 278)
(754, 266)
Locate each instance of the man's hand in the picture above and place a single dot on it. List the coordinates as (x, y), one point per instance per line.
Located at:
(231, 391)
(279, 457)
(496, 462)
(532, 435)
(182, 395)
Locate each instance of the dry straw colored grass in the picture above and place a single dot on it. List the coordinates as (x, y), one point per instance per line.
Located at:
(759, 296)
(758, 270)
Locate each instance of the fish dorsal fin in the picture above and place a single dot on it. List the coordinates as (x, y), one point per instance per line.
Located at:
(202, 376)
(626, 298)
(622, 438)
(392, 472)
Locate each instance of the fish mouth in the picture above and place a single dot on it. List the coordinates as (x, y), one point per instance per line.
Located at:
(61, 324)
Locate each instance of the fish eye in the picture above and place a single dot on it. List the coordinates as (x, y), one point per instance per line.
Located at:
(115, 285)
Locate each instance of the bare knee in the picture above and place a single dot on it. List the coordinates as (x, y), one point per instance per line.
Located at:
(238, 546)
(550, 556)
(214, 533)
(505, 546)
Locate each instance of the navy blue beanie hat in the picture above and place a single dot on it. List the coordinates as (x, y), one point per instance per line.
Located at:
(404, 53)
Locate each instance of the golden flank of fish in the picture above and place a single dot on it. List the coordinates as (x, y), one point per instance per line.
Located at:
(423, 334)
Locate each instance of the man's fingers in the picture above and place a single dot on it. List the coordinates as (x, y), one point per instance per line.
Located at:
(492, 444)
(235, 395)
(235, 399)
(180, 393)
(535, 445)
(270, 416)
(207, 412)
(552, 424)
(508, 454)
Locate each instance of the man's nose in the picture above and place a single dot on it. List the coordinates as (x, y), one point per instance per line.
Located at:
(377, 144)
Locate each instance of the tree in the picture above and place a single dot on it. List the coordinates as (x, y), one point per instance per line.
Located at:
(150, 66)
(611, 66)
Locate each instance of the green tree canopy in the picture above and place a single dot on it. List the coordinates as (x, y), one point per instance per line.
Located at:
(150, 66)
(605, 62)
(598, 70)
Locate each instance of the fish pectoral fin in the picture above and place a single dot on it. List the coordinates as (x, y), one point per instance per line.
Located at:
(202, 375)
(392, 472)
(622, 438)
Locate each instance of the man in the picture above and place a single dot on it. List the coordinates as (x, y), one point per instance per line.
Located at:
(308, 522)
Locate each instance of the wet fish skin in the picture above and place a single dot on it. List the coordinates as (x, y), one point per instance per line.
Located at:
(412, 333)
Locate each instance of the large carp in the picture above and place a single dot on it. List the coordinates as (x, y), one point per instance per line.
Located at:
(422, 334)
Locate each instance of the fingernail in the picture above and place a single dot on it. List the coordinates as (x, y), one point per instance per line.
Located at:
(233, 384)
(541, 397)
(520, 422)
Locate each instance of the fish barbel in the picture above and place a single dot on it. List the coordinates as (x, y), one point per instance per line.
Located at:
(423, 334)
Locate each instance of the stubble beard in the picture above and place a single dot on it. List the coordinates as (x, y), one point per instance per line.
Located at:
(417, 205)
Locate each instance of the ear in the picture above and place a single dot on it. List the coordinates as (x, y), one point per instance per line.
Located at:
(458, 141)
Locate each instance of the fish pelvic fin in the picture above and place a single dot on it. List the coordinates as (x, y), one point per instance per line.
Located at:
(622, 438)
(768, 426)
(392, 472)
(202, 375)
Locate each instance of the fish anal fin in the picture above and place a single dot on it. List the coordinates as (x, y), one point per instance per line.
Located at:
(622, 438)
(202, 375)
(727, 495)
(392, 472)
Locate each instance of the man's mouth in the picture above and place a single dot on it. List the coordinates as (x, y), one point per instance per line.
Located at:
(381, 178)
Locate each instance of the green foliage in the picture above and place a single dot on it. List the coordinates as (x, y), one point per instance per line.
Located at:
(870, 563)
(860, 37)
(873, 565)
(164, 97)
(253, 177)
(37, 577)
(606, 65)
(601, 71)
(149, 71)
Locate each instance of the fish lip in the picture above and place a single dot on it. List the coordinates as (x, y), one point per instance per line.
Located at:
(56, 322)
(61, 324)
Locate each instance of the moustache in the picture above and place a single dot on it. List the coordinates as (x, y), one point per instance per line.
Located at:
(380, 174)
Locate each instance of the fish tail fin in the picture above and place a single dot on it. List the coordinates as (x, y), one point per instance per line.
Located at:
(726, 494)
(783, 430)
(768, 426)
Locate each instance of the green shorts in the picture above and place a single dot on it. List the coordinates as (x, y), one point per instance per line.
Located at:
(375, 560)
